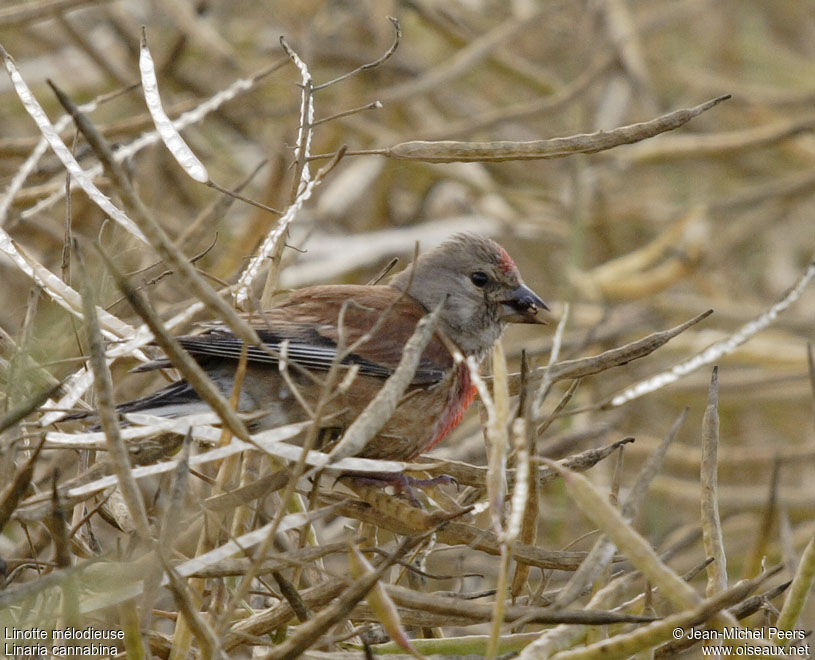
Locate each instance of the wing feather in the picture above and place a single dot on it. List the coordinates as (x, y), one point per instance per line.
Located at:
(310, 321)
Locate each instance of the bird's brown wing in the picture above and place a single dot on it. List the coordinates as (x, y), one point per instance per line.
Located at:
(346, 313)
(318, 322)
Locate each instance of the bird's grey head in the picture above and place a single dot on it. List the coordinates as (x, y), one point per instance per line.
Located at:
(481, 288)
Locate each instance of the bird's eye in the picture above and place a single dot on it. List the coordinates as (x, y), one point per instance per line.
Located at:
(480, 279)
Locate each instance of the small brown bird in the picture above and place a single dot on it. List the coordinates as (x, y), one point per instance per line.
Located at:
(482, 291)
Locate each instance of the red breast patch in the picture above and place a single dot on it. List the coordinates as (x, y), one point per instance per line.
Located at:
(461, 396)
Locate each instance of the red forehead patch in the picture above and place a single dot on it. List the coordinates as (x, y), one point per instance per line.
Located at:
(505, 262)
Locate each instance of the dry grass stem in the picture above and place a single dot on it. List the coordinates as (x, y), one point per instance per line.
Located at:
(547, 380)
(497, 435)
(719, 349)
(17, 16)
(382, 406)
(380, 602)
(757, 555)
(302, 638)
(169, 135)
(157, 236)
(603, 550)
(37, 113)
(711, 522)
(103, 385)
(578, 368)
(64, 295)
(465, 59)
(13, 492)
(624, 645)
(655, 266)
(633, 546)
(448, 151)
(190, 117)
(526, 109)
(799, 589)
(191, 370)
(370, 65)
(699, 146)
(222, 534)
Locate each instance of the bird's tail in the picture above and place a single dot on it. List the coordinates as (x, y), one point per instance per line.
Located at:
(176, 399)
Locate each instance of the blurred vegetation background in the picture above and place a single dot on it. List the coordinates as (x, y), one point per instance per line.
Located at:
(719, 214)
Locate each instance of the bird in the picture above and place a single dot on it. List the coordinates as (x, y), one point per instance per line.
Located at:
(480, 290)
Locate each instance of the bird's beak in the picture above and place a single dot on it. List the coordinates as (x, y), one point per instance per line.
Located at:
(522, 306)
